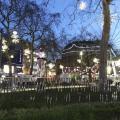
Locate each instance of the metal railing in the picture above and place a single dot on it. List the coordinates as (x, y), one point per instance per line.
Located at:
(10, 84)
(52, 91)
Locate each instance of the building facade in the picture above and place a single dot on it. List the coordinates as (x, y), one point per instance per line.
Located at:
(81, 60)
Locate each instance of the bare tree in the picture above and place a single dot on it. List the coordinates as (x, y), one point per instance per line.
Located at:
(9, 19)
(31, 25)
(36, 24)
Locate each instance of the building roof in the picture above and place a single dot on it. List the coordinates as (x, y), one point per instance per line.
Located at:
(77, 46)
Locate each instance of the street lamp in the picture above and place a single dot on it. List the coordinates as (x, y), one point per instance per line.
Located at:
(12, 56)
(81, 53)
(80, 60)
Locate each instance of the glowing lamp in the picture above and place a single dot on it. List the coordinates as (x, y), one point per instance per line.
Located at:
(81, 53)
(12, 56)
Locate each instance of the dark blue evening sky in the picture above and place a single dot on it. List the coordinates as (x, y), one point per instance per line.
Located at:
(91, 22)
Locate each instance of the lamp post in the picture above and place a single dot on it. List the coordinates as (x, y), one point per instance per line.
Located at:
(81, 54)
(80, 59)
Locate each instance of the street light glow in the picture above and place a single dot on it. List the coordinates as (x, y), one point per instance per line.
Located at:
(12, 56)
(81, 53)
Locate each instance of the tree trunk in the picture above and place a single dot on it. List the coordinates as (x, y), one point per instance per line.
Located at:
(32, 56)
(0, 50)
(104, 45)
(10, 66)
(9, 52)
(32, 62)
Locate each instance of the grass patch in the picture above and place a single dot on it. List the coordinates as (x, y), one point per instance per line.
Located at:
(70, 112)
